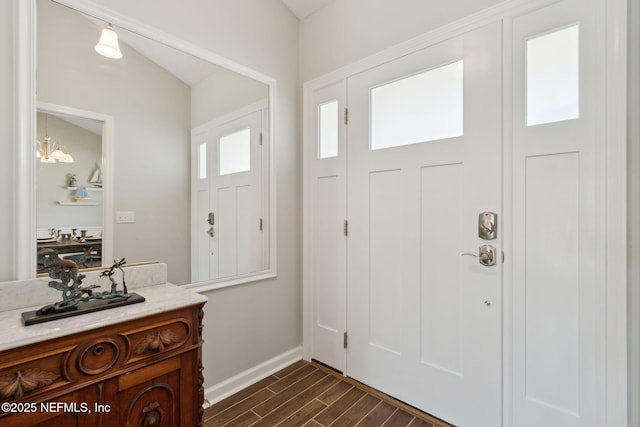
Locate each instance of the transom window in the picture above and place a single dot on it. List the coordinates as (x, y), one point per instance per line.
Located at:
(422, 107)
(235, 152)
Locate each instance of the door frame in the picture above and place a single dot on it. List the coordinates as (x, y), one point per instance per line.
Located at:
(613, 185)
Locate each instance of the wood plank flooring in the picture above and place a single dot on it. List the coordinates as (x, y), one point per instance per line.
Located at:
(310, 395)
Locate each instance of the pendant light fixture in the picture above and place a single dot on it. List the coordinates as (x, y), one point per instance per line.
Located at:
(50, 152)
(108, 44)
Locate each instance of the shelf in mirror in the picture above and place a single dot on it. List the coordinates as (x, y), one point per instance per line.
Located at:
(78, 203)
(86, 188)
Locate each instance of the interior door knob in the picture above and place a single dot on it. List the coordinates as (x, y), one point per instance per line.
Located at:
(486, 255)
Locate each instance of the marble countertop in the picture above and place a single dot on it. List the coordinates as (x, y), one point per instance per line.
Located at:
(159, 297)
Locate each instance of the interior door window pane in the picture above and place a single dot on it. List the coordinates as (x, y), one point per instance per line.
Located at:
(235, 152)
(553, 77)
(418, 108)
(328, 129)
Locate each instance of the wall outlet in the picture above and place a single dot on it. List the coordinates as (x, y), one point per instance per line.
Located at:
(125, 217)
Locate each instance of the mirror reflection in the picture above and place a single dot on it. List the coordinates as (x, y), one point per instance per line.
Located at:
(188, 174)
(69, 188)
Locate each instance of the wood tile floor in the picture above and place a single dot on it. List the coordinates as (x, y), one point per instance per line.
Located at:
(310, 395)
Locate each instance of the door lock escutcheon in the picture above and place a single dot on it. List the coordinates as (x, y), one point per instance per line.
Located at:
(488, 225)
(211, 218)
(486, 255)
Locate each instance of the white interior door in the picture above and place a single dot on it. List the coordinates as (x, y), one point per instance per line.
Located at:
(424, 160)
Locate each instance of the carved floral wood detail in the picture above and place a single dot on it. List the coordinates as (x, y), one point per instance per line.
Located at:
(153, 415)
(200, 369)
(98, 356)
(15, 385)
(157, 341)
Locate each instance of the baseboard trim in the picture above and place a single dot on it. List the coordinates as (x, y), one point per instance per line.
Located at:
(226, 388)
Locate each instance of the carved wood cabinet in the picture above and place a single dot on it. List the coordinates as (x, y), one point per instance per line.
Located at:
(142, 372)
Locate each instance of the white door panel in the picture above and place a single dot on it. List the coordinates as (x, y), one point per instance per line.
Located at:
(200, 240)
(229, 187)
(557, 292)
(425, 322)
(328, 258)
(236, 200)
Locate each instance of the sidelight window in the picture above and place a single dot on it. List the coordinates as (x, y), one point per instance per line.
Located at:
(553, 78)
(202, 160)
(328, 129)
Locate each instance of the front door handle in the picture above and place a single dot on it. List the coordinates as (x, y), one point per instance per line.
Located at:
(211, 232)
(486, 255)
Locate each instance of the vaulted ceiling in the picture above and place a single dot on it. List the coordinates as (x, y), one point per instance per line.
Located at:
(187, 68)
(304, 8)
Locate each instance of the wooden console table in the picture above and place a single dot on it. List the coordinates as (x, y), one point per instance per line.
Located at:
(145, 369)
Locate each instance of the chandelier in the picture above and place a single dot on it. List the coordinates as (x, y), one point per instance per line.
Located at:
(50, 152)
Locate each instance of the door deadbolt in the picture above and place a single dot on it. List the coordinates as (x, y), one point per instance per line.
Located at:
(488, 225)
(486, 255)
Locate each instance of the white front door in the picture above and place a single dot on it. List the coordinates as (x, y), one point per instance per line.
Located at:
(424, 161)
(227, 199)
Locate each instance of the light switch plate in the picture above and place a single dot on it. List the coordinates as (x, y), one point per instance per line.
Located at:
(125, 217)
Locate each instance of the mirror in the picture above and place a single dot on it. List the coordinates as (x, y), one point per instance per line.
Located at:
(189, 180)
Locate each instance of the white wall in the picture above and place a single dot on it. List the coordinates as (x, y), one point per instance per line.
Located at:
(223, 92)
(346, 31)
(151, 110)
(247, 324)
